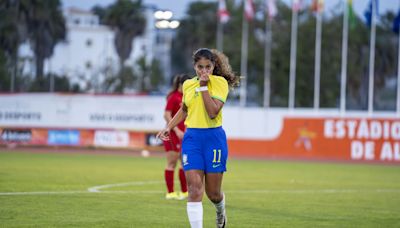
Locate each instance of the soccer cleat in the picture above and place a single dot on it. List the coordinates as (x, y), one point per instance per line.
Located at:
(171, 195)
(221, 220)
(182, 195)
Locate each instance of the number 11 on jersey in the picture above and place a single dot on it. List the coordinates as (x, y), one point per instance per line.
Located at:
(215, 156)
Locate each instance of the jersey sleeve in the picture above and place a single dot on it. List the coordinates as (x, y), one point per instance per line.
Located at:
(220, 90)
(184, 91)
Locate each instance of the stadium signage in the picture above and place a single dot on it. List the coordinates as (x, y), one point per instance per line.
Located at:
(63, 137)
(63, 111)
(12, 135)
(111, 138)
(12, 115)
(362, 129)
(365, 135)
(119, 117)
(151, 140)
(254, 132)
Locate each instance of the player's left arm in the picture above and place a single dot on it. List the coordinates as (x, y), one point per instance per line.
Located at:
(213, 106)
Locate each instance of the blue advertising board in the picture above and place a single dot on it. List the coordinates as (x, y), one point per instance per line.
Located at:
(63, 137)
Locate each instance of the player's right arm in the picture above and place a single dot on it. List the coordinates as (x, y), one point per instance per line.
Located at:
(179, 117)
(168, 117)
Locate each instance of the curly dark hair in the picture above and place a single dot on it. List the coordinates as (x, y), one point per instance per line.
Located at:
(221, 64)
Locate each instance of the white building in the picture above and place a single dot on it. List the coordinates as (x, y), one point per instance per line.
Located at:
(88, 54)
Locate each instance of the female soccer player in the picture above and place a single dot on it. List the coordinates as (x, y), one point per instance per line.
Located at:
(173, 145)
(204, 145)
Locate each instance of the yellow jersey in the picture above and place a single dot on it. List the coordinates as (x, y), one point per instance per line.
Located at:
(197, 116)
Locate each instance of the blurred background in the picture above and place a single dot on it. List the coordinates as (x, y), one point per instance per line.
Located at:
(137, 46)
(95, 73)
(83, 87)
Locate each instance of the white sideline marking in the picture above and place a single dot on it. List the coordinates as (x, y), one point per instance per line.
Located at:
(40, 193)
(262, 191)
(312, 191)
(97, 188)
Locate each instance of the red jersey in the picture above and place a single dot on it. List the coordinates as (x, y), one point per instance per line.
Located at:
(174, 103)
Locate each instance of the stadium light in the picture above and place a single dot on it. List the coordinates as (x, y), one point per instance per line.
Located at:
(164, 24)
(168, 15)
(163, 15)
(174, 24)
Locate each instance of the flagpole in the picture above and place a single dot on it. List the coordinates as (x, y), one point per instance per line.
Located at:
(317, 65)
(220, 36)
(267, 62)
(343, 74)
(372, 59)
(293, 53)
(243, 61)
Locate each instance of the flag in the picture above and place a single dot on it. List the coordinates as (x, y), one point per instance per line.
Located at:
(352, 18)
(223, 14)
(317, 6)
(249, 10)
(296, 5)
(396, 23)
(368, 12)
(271, 8)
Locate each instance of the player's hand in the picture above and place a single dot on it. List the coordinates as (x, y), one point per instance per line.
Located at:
(179, 133)
(204, 78)
(164, 134)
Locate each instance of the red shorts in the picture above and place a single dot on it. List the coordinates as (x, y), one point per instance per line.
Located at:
(173, 144)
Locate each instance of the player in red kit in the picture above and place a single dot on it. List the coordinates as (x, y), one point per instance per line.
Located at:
(173, 145)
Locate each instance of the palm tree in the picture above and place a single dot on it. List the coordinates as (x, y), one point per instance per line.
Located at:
(46, 27)
(126, 18)
(12, 34)
(196, 30)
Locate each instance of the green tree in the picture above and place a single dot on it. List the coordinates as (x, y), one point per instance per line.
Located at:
(46, 28)
(118, 83)
(4, 79)
(61, 84)
(126, 18)
(151, 74)
(128, 22)
(12, 34)
(198, 30)
(100, 11)
(195, 31)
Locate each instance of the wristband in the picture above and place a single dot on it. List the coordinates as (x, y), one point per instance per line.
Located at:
(201, 88)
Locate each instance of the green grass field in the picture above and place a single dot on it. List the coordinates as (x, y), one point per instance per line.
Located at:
(53, 192)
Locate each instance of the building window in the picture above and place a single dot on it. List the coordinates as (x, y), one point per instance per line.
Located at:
(89, 42)
(77, 21)
(88, 65)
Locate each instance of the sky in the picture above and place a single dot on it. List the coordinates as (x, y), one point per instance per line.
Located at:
(178, 7)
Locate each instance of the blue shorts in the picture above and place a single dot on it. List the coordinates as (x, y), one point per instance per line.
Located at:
(205, 149)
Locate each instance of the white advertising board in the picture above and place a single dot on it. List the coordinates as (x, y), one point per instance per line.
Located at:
(111, 138)
(143, 113)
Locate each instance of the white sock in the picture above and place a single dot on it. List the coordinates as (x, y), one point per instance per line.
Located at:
(195, 214)
(221, 205)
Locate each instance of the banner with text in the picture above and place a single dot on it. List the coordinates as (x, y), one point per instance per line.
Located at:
(355, 139)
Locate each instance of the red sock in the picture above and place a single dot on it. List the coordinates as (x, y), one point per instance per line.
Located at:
(169, 180)
(182, 178)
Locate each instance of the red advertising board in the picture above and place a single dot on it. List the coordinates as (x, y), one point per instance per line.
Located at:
(328, 139)
(338, 139)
